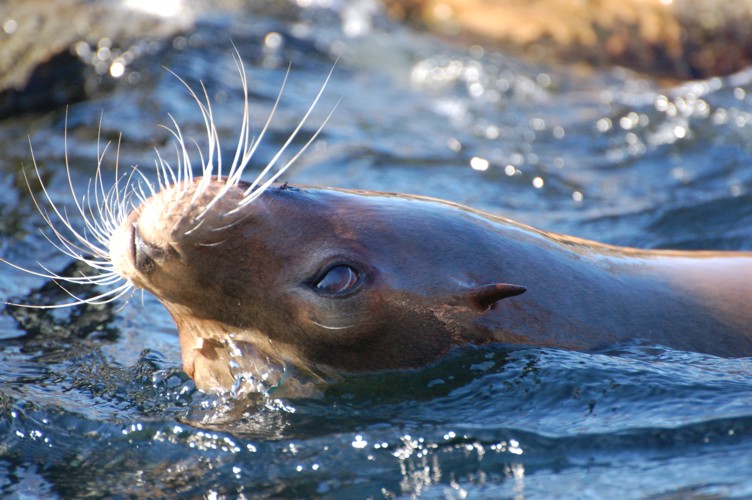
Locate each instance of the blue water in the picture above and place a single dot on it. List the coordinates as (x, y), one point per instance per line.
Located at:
(93, 400)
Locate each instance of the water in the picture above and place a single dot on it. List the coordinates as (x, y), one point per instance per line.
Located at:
(93, 401)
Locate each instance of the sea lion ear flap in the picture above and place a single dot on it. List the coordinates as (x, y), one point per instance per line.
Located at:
(483, 297)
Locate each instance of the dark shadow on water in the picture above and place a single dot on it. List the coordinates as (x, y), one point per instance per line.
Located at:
(84, 321)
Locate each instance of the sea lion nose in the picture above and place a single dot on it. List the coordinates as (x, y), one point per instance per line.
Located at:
(145, 255)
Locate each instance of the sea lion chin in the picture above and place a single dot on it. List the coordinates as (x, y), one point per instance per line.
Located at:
(329, 280)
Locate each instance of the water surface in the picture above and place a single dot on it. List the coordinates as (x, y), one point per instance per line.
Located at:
(93, 401)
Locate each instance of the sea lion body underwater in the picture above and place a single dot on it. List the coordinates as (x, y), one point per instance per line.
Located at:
(354, 281)
(260, 276)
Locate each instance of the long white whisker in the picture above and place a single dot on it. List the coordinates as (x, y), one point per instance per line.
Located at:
(43, 213)
(211, 131)
(332, 327)
(249, 198)
(242, 153)
(113, 294)
(265, 128)
(49, 275)
(63, 218)
(294, 132)
(248, 149)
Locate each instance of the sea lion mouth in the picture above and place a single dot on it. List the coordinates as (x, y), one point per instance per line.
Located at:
(230, 363)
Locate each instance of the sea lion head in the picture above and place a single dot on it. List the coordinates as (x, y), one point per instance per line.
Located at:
(316, 278)
(260, 277)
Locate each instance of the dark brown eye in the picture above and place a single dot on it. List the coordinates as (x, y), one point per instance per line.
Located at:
(337, 280)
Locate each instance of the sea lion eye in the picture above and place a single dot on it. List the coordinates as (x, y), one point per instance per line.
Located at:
(338, 280)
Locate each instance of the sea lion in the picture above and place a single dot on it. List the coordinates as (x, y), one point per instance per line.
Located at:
(351, 280)
(261, 276)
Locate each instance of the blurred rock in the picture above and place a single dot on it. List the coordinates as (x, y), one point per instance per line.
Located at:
(53, 52)
(680, 39)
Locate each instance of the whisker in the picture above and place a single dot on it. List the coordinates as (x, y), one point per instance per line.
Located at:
(246, 146)
(113, 294)
(255, 194)
(332, 327)
(211, 131)
(271, 163)
(293, 134)
(49, 275)
(208, 245)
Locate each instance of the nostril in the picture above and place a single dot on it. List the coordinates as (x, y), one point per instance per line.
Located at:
(134, 237)
(147, 256)
(143, 253)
